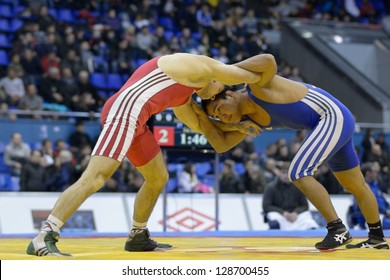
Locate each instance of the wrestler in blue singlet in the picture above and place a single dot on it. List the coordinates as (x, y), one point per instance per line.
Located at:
(332, 127)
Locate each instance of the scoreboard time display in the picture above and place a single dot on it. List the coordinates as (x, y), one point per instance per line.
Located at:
(170, 132)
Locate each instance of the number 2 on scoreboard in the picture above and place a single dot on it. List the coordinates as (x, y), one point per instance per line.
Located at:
(165, 135)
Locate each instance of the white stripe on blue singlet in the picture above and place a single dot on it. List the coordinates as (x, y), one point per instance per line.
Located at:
(324, 137)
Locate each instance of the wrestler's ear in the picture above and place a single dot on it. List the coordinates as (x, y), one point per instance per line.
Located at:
(229, 94)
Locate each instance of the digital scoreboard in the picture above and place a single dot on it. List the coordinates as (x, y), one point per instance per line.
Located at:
(170, 132)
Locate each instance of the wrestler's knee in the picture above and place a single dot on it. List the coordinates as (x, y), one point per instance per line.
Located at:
(303, 183)
(99, 170)
(158, 177)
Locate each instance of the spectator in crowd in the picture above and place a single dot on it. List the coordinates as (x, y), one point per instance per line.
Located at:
(31, 66)
(3, 97)
(189, 18)
(31, 101)
(52, 91)
(17, 66)
(44, 18)
(86, 56)
(377, 155)
(204, 18)
(160, 39)
(69, 86)
(33, 174)
(283, 153)
(371, 172)
(47, 152)
(367, 143)
(300, 136)
(61, 172)
(13, 87)
(243, 151)
(188, 181)
(85, 86)
(114, 184)
(253, 178)
(132, 177)
(16, 154)
(270, 152)
(251, 22)
(295, 75)
(60, 145)
(72, 61)
(145, 41)
(381, 141)
(325, 176)
(49, 61)
(230, 181)
(79, 138)
(285, 206)
(271, 169)
(123, 58)
(81, 160)
(6, 113)
(112, 21)
(187, 42)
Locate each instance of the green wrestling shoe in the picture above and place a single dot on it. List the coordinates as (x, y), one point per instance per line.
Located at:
(140, 241)
(44, 244)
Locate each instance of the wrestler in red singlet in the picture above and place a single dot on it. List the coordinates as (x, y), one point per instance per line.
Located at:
(148, 91)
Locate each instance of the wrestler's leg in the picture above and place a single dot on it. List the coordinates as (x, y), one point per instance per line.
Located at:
(353, 181)
(156, 176)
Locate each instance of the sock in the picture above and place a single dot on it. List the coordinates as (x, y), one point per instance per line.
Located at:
(336, 224)
(52, 224)
(376, 229)
(138, 227)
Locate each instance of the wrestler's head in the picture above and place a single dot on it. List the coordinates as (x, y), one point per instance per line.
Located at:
(225, 105)
(209, 91)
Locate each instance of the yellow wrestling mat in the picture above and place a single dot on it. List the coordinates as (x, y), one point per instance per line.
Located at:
(195, 248)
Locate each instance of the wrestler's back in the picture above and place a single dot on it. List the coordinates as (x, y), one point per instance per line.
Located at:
(183, 68)
(158, 90)
(286, 103)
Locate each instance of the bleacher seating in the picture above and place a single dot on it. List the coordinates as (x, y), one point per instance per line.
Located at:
(4, 42)
(114, 81)
(6, 11)
(4, 61)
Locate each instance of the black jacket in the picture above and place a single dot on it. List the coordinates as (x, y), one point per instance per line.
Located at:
(281, 197)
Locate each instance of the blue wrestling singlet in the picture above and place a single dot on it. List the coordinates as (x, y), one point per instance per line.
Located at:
(332, 126)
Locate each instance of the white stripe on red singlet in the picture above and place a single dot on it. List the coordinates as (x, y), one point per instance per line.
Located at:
(125, 111)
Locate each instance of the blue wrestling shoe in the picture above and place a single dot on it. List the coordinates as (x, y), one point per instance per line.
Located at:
(140, 241)
(44, 244)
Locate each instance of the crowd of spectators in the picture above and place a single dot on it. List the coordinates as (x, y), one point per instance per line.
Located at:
(59, 45)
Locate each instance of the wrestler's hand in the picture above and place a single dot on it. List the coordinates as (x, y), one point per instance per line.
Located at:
(249, 127)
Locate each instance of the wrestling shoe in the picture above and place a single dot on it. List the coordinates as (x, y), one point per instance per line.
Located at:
(334, 239)
(44, 244)
(140, 240)
(372, 242)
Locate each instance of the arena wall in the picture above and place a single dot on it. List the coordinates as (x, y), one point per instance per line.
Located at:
(23, 213)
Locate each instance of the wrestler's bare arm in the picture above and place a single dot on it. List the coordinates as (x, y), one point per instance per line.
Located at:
(195, 118)
(262, 63)
(246, 126)
(199, 70)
